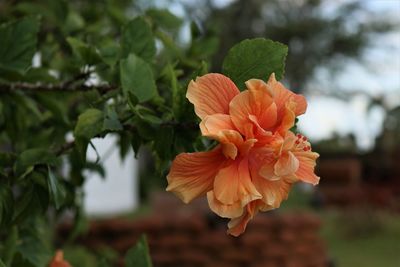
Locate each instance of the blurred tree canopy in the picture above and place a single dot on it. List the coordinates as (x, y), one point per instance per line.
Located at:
(318, 32)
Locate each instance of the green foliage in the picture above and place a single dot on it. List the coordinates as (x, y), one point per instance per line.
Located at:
(164, 19)
(56, 190)
(90, 123)
(137, 79)
(18, 44)
(85, 53)
(27, 160)
(6, 205)
(138, 256)
(97, 72)
(137, 38)
(256, 58)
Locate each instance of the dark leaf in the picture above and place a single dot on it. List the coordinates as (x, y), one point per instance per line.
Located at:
(34, 200)
(18, 42)
(138, 256)
(56, 189)
(84, 52)
(137, 78)
(164, 18)
(255, 58)
(6, 204)
(27, 160)
(163, 142)
(111, 120)
(90, 123)
(138, 39)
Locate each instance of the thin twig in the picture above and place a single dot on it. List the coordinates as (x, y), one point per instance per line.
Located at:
(129, 127)
(60, 87)
(64, 148)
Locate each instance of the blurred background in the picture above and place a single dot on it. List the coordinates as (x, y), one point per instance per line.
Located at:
(344, 56)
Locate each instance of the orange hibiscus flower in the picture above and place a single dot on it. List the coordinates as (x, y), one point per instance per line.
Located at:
(58, 260)
(257, 159)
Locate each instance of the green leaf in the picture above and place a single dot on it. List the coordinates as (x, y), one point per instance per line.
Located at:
(32, 244)
(84, 52)
(137, 38)
(136, 142)
(10, 244)
(138, 256)
(164, 18)
(6, 204)
(255, 58)
(90, 124)
(2, 263)
(29, 158)
(18, 42)
(163, 142)
(137, 78)
(34, 200)
(56, 189)
(177, 93)
(111, 120)
(81, 224)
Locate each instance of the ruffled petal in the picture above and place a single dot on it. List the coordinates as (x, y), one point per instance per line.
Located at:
(307, 162)
(211, 94)
(282, 95)
(286, 165)
(252, 110)
(212, 125)
(237, 226)
(192, 174)
(273, 189)
(287, 118)
(220, 127)
(233, 183)
(224, 210)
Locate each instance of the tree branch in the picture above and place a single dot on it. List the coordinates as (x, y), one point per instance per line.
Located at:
(60, 87)
(130, 127)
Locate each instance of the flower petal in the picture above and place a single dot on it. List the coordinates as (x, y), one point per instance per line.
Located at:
(58, 260)
(211, 94)
(221, 128)
(226, 211)
(273, 190)
(212, 125)
(237, 226)
(192, 174)
(233, 183)
(287, 164)
(282, 95)
(307, 162)
(252, 110)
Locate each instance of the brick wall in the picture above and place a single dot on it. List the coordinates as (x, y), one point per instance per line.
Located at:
(178, 238)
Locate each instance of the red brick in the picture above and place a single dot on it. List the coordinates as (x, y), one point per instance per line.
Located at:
(123, 244)
(263, 223)
(241, 256)
(275, 251)
(266, 263)
(163, 257)
(194, 257)
(214, 239)
(254, 239)
(288, 236)
(221, 264)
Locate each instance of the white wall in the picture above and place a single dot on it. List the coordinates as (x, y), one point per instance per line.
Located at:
(117, 193)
